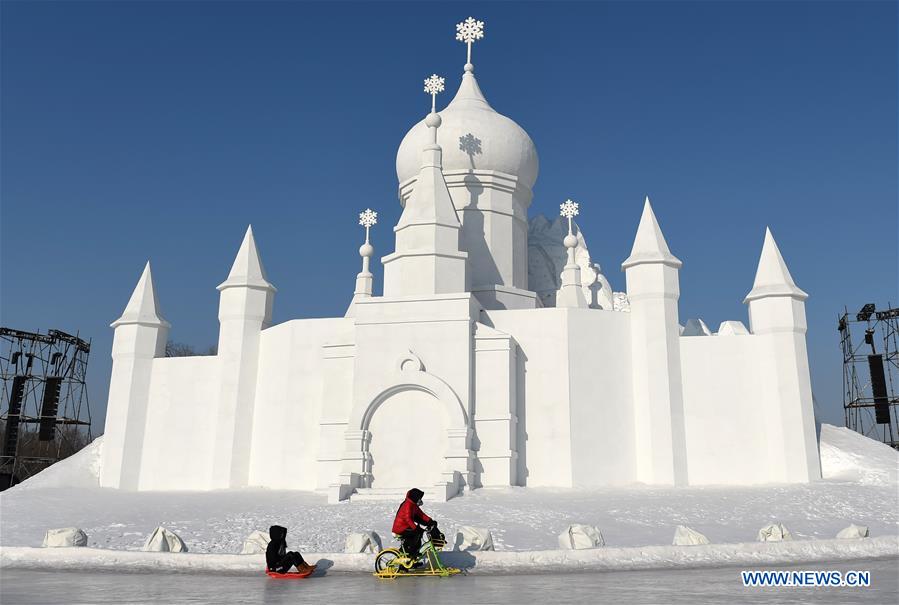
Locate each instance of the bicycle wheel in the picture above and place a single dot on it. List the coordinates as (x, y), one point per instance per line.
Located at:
(386, 559)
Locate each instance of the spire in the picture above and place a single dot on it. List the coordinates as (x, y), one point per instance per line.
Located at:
(142, 307)
(571, 294)
(430, 201)
(364, 279)
(247, 271)
(649, 243)
(772, 278)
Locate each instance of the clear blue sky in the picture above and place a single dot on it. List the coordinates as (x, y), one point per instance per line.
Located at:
(159, 130)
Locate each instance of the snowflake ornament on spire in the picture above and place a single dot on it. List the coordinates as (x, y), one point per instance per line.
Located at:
(469, 31)
(569, 210)
(433, 86)
(368, 218)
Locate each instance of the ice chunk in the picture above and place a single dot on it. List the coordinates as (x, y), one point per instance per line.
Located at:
(256, 543)
(163, 540)
(685, 536)
(578, 537)
(853, 532)
(64, 536)
(696, 327)
(775, 532)
(473, 538)
(366, 541)
(732, 328)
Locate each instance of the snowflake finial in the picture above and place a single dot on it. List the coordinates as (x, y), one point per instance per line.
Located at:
(468, 32)
(569, 210)
(368, 218)
(434, 86)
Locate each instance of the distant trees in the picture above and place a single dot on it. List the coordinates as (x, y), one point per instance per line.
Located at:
(179, 349)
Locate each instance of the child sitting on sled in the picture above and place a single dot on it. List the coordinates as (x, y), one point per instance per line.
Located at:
(277, 558)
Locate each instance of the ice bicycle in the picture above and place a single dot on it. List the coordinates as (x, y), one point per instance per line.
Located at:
(395, 562)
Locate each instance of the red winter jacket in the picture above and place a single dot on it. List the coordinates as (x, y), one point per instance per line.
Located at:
(409, 513)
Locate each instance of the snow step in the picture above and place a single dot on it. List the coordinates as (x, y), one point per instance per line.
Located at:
(395, 494)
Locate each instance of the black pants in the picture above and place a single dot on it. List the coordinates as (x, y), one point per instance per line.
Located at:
(289, 560)
(411, 541)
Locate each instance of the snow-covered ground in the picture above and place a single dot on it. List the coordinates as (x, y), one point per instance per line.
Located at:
(860, 487)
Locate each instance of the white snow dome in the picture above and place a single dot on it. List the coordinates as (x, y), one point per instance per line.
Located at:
(473, 137)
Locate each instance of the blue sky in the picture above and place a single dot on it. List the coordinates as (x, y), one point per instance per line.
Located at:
(159, 130)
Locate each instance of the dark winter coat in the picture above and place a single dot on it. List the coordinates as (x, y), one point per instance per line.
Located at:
(277, 547)
(410, 514)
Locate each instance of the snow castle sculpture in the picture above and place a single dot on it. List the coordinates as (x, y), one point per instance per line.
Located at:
(460, 376)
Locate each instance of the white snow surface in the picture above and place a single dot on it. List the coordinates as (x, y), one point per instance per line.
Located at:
(860, 487)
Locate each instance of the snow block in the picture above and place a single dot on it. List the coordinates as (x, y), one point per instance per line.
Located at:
(163, 540)
(732, 328)
(579, 537)
(473, 538)
(775, 532)
(685, 536)
(256, 543)
(64, 536)
(853, 532)
(366, 541)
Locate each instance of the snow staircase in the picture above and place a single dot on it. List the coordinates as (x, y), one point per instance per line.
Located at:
(394, 494)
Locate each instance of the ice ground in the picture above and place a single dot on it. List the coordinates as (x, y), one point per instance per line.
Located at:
(860, 487)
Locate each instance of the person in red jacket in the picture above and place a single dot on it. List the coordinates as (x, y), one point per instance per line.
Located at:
(407, 521)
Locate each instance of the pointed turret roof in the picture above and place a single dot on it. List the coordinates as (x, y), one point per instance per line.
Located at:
(649, 244)
(142, 307)
(247, 270)
(772, 278)
(430, 202)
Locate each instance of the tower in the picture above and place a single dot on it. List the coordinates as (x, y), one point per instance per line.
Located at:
(490, 166)
(140, 336)
(245, 309)
(427, 259)
(777, 319)
(653, 290)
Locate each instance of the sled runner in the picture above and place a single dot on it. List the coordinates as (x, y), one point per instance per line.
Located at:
(393, 562)
(290, 575)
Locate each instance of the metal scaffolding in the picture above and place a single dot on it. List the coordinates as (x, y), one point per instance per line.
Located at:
(45, 414)
(871, 373)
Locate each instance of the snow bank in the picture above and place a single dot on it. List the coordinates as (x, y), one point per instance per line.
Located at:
(81, 469)
(850, 456)
(752, 555)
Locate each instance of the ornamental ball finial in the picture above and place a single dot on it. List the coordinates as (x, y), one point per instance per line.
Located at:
(432, 120)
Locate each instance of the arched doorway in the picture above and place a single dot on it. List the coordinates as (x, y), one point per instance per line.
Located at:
(408, 442)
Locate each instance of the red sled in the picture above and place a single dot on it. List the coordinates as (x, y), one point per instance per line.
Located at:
(290, 575)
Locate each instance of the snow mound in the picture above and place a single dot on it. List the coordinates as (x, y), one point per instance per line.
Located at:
(775, 532)
(367, 541)
(163, 540)
(81, 469)
(685, 536)
(578, 537)
(255, 544)
(473, 538)
(64, 536)
(853, 532)
(850, 456)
